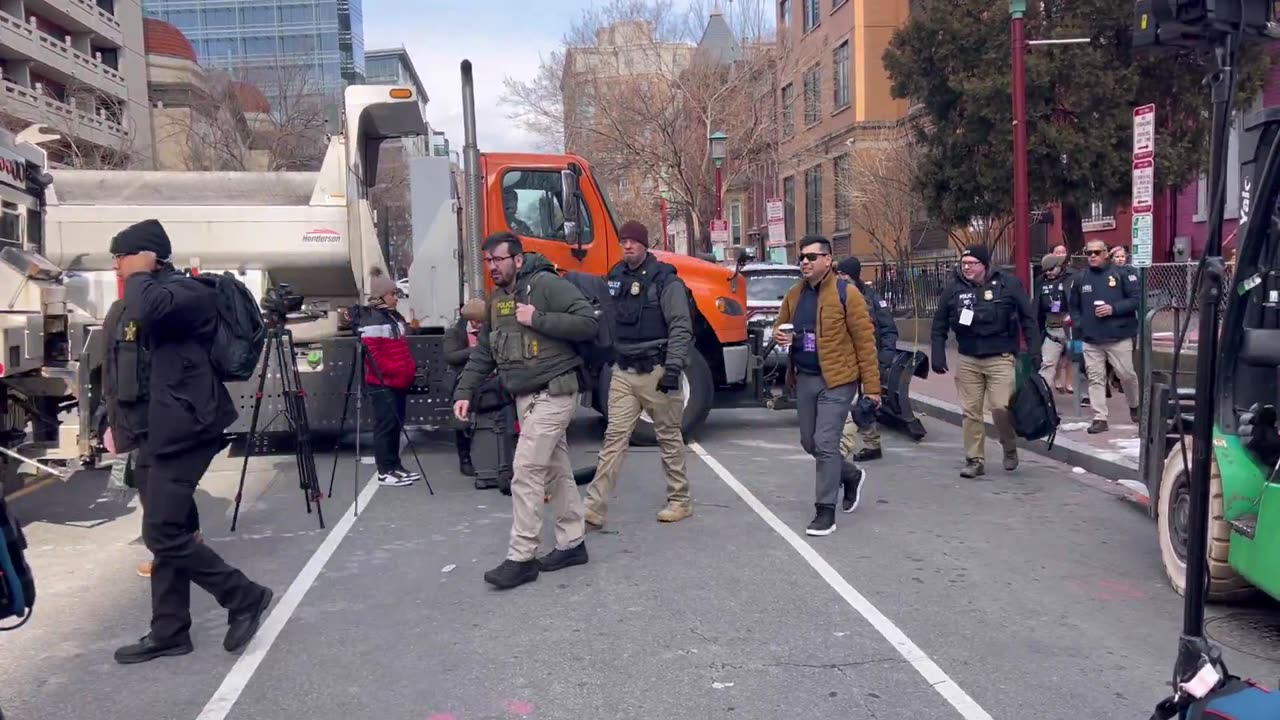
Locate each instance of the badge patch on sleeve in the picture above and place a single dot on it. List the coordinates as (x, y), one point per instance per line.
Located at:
(131, 331)
(506, 307)
(1111, 281)
(613, 287)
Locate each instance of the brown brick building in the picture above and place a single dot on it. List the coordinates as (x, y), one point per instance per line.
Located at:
(835, 103)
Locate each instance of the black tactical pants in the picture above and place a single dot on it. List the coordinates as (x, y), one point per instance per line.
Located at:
(388, 424)
(168, 484)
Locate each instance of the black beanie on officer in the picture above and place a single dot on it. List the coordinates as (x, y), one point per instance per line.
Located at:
(148, 235)
(979, 253)
(852, 267)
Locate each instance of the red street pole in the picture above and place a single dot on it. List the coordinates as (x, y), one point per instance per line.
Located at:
(664, 223)
(1021, 201)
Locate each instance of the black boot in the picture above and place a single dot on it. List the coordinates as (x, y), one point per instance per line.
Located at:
(851, 477)
(559, 559)
(149, 649)
(512, 574)
(466, 468)
(243, 625)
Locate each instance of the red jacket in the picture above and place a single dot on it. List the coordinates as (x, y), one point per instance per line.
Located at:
(388, 362)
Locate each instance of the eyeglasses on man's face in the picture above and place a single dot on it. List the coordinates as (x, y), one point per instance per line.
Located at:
(812, 256)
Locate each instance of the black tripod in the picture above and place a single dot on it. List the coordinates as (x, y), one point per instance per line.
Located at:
(280, 345)
(359, 356)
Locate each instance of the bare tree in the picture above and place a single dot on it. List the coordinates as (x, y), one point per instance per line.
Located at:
(96, 133)
(631, 90)
(264, 119)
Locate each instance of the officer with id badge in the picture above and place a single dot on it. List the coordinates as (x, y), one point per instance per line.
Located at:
(987, 310)
(1052, 315)
(1104, 309)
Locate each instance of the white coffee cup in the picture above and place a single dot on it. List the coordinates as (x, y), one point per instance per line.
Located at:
(788, 331)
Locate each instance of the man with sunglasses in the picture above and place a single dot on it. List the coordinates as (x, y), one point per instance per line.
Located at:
(1104, 309)
(986, 309)
(533, 319)
(833, 351)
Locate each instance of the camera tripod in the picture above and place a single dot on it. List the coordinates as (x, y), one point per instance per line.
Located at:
(359, 356)
(280, 345)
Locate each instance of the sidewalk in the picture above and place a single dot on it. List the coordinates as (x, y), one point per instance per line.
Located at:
(1113, 454)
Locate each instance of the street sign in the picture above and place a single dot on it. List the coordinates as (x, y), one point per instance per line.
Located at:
(1144, 132)
(1142, 241)
(720, 233)
(777, 215)
(1144, 186)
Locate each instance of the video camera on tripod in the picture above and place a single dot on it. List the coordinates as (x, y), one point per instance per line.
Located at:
(278, 302)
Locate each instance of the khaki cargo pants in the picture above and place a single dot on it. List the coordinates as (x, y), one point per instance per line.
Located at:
(1051, 352)
(991, 379)
(1120, 356)
(629, 394)
(848, 436)
(541, 468)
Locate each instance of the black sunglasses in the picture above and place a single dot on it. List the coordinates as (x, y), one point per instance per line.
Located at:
(813, 257)
(1095, 252)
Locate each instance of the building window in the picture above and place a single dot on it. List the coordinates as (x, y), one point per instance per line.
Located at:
(784, 14)
(735, 222)
(840, 170)
(811, 13)
(812, 95)
(813, 200)
(788, 109)
(789, 207)
(840, 78)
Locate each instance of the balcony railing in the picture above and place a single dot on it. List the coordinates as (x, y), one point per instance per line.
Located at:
(60, 56)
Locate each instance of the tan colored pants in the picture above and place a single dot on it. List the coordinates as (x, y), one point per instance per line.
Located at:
(1120, 356)
(629, 394)
(850, 433)
(541, 467)
(990, 379)
(1051, 351)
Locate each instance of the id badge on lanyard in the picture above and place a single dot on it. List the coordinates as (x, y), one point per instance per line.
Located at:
(809, 342)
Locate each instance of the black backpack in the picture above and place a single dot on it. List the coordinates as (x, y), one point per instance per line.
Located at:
(597, 352)
(241, 333)
(17, 585)
(1032, 410)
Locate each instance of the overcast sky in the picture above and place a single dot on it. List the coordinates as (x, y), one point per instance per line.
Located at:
(500, 37)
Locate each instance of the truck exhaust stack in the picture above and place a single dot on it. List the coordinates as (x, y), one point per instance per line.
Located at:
(471, 194)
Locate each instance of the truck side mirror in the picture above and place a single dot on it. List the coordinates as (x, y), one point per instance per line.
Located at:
(569, 198)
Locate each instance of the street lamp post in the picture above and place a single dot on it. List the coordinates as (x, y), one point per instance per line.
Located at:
(718, 142)
(1021, 199)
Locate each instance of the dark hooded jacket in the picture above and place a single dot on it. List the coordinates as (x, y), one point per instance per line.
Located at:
(986, 318)
(535, 358)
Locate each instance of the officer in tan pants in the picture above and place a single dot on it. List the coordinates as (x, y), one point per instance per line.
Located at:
(655, 332)
(1104, 307)
(534, 317)
(987, 310)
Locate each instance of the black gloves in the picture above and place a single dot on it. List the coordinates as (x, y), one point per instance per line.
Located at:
(670, 380)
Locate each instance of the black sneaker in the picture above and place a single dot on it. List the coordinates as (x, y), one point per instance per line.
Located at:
(866, 454)
(148, 648)
(854, 478)
(1098, 426)
(559, 559)
(824, 522)
(973, 467)
(242, 626)
(486, 483)
(1133, 414)
(466, 468)
(407, 475)
(512, 574)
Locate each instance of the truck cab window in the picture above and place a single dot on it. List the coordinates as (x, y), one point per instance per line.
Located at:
(10, 224)
(533, 208)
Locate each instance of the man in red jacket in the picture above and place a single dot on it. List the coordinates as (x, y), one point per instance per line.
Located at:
(389, 371)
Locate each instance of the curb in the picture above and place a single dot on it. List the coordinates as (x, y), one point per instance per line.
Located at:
(1078, 454)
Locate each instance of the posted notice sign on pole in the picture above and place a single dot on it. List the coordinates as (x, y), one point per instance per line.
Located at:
(1144, 185)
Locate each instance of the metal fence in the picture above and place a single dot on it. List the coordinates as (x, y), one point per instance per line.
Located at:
(912, 288)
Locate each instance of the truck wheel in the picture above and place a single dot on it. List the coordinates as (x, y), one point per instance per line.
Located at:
(698, 387)
(1225, 584)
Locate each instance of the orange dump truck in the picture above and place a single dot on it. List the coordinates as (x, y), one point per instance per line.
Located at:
(582, 234)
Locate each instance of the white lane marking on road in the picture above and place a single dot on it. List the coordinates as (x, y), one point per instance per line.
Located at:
(968, 708)
(240, 674)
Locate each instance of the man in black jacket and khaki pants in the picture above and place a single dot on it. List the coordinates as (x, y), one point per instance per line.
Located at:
(1104, 309)
(164, 400)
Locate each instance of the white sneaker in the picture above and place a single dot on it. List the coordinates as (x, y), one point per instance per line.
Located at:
(392, 480)
(408, 475)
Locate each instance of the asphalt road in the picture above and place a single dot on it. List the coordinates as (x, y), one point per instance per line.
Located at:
(1030, 594)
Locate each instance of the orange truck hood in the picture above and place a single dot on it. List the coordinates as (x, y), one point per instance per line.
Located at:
(709, 282)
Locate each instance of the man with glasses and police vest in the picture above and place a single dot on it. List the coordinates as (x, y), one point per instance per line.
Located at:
(1104, 310)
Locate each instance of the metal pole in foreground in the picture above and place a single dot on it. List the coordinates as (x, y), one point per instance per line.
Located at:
(472, 192)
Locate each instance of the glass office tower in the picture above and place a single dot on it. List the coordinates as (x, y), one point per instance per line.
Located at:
(285, 47)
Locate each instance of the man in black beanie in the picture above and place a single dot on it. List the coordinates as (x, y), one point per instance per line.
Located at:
(165, 401)
(850, 270)
(987, 310)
